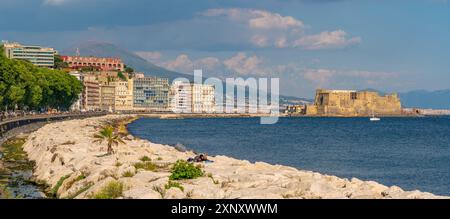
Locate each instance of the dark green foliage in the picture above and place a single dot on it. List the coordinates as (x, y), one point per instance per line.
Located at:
(31, 88)
(59, 63)
(129, 69)
(121, 76)
(83, 189)
(146, 166)
(112, 190)
(58, 184)
(172, 184)
(145, 159)
(184, 170)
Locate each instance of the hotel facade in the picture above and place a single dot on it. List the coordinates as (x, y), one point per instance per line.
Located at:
(39, 56)
(192, 98)
(151, 94)
(98, 63)
(124, 95)
(91, 94)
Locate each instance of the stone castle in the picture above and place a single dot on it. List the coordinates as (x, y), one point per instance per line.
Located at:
(353, 103)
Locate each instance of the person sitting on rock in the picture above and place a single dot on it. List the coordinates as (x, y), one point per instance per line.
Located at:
(198, 158)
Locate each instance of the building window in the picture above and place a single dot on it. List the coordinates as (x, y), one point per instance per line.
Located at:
(353, 95)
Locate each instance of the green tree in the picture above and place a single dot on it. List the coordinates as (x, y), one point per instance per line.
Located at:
(121, 76)
(28, 87)
(129, 70)
(59, 63)
(107, 134)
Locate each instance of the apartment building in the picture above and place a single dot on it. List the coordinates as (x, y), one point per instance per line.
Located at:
(39, 56)
(78, 105)
(203, 98)
(124, 95)
(192, 98)
(107, 97)
(91, 94)
(151, 94)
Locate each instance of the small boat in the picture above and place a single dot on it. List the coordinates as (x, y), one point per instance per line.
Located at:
(374, 119)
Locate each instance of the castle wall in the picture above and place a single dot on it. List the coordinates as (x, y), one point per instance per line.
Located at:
(352, 103)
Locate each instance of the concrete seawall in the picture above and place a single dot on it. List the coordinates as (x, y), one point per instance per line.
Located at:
(13, 127)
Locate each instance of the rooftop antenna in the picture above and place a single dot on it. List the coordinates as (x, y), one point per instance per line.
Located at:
(78, 52)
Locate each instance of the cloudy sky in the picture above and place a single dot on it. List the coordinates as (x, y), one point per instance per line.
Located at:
(391, 45)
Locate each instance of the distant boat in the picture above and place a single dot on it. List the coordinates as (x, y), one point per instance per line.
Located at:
(374, 119)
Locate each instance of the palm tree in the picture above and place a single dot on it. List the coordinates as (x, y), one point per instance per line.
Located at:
(107, 133)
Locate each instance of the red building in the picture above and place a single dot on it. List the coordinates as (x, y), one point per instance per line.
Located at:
(104, 64)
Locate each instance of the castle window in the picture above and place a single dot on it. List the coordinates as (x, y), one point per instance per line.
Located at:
(353, 96)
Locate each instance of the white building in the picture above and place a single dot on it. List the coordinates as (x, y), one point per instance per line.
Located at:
(192, 98)
(39, 56)
(203, 98)
(181, 97)
(78, 105)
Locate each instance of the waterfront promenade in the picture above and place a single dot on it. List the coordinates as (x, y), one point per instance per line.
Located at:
(12, 126)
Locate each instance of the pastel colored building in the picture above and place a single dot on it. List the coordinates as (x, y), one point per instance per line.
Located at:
(124, 95)
(99, 63)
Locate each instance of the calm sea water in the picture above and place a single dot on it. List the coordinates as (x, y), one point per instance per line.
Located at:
(413, 153)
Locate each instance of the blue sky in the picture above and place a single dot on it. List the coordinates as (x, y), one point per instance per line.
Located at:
(391, 45)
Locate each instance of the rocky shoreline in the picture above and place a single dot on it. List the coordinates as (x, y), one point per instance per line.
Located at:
(73, 166)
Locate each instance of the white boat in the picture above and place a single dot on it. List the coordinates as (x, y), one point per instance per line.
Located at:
(373, 118)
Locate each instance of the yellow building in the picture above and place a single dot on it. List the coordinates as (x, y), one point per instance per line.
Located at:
(107, 97)
(353, 103)
(124, 95)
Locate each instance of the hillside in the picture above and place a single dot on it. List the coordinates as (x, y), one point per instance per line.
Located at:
(110, 50)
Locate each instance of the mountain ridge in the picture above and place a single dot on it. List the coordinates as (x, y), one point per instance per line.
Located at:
(104, 49)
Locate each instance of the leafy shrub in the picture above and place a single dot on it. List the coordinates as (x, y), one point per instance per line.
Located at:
(83, 189)
(55, 189)
(184, 170)
(172, 184)
(112, 190)
(146, 166)
(145, 159)
(128, 174)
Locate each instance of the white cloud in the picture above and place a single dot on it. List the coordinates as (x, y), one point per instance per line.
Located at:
(269, 29)
(322, 77)
(208, 63)
(324, 40)
(245, 65)
(294, 76)
(319, 76)
(183, 63)
(260, 40)
(257, 19)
